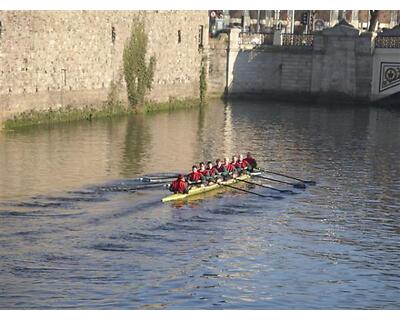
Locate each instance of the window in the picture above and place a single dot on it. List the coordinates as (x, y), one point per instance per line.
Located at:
(113, 35)
(1, 28)
(201, 31)
(179, 36)
(64, 76)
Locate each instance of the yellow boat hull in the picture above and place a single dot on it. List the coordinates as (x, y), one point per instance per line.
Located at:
(202, 189)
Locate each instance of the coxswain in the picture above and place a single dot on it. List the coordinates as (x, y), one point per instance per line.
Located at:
(179, 185)
(195, 176)
(251, 161)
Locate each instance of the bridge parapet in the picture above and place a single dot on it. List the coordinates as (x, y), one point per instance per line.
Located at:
(386, 64)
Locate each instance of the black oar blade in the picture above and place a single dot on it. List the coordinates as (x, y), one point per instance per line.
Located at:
(299, 185)
(288, 192)
(276, 197)
(310, 182)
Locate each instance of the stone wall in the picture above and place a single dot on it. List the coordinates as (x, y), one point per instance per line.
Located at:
(386, 66)
(57, 58)
(342, 62)
(337, 65)
(217, 59)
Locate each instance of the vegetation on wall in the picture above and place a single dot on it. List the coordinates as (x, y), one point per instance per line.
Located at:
(67, 114)
(138, 74)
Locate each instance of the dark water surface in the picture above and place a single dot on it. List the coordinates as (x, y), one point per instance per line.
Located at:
(77, 232)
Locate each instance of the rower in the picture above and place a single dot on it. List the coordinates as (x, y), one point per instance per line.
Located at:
(195, 176)
(203, 169)
(220, 169)
(251, 161)
(230, 168)
(179, 185)
(242, 165)
(234, 160)
(211, 174)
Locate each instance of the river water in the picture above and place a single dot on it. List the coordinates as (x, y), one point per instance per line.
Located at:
(77, 230)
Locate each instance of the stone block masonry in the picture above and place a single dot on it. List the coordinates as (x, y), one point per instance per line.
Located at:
(51, 59)
(337, 66)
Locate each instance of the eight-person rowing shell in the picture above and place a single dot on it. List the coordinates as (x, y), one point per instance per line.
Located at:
(214, 174)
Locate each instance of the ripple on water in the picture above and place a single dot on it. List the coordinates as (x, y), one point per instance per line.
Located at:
(113, 244)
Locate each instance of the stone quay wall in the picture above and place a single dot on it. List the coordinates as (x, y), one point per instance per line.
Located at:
(217, 59)
(52, 59)
(338, 65)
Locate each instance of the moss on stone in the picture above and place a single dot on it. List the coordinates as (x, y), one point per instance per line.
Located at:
(172, 104)
(69, 113)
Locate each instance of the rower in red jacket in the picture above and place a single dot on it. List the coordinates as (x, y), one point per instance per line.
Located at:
(219, 167)
(195, 176)
(242, 165)
(179, 185)
(252, 162)
(202, 169)
(229, 167)
(211, 174)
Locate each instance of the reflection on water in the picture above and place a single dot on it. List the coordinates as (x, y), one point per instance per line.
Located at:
(79, 231)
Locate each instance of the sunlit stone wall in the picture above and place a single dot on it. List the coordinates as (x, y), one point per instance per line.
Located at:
(58, 58)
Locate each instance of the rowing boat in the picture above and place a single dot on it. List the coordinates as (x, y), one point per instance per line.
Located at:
(203, 189)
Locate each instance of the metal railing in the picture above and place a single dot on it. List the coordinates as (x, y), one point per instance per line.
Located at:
(257, 38)
(392, 42)
(297, 40)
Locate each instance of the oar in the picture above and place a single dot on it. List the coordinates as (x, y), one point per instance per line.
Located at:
(267, 187)
(310, 182)
(295, 185)
(158, 179)
(134, 188)
(257, 194)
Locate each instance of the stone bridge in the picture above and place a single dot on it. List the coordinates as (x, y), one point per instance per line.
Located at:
(340, 63)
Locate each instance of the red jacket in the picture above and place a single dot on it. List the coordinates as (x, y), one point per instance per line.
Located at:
(195, 176)
(204, 172)
(211, 172)
(229, 167)
(178, 186)
(242, 164)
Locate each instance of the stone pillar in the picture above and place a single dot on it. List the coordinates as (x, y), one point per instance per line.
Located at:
(277, 38)
(233, 50)
(334, 69)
